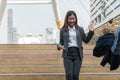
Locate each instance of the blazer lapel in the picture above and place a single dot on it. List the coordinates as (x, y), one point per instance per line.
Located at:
(77, 34)
(67, 33)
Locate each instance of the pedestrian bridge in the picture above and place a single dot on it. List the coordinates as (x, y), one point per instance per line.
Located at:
(44, 61)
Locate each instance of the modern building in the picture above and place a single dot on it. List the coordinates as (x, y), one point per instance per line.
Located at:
(104, 14)
(103, 11)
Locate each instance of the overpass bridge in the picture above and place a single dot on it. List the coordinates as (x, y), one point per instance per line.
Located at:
(44, 62)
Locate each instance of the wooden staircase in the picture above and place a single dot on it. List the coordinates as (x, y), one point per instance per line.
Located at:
(44, 62)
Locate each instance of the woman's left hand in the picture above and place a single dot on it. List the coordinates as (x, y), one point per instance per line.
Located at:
(91, 27)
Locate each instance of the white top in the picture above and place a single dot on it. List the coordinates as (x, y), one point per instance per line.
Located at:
(72, 37)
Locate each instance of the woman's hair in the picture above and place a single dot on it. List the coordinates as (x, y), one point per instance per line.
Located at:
(69, 13)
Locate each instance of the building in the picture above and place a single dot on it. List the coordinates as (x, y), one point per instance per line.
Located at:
(11, 31)
(29, 38)
(104, 14)
(103, 11)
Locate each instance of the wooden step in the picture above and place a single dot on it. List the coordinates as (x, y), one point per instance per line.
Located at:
(39, 55)
(31, 62)
(51, 69)
(28, 46)
(40, 51)
(60, 76)
(19, 62)
(29, 51)
(36, 46)
(27, 56)
(44, 62)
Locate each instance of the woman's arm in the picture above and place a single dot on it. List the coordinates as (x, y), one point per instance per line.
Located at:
(59, 46)
(87, 38)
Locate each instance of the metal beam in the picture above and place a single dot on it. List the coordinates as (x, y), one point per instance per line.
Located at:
(2, 8)
(52, 2)
(56, 13)
(27, 2)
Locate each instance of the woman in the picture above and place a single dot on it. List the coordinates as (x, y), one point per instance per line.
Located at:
(71, 37)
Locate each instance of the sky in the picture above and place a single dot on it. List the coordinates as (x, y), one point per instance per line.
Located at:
(36, 18)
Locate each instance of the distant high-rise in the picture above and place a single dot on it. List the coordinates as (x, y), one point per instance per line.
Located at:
(11, 35)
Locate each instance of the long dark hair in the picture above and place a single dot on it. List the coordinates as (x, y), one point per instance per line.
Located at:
(69, 13)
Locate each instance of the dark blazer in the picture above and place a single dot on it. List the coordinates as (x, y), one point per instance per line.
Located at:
(81, 36)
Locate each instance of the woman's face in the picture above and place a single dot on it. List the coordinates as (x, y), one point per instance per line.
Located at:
(71, 20)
